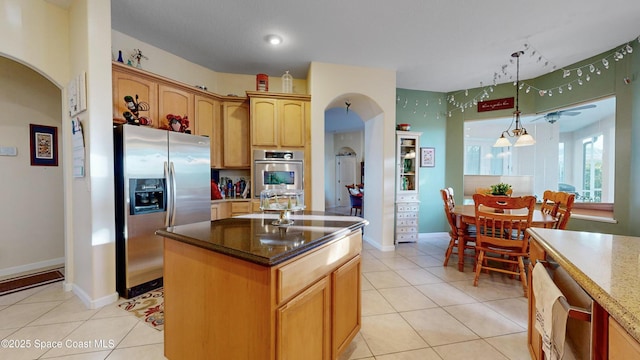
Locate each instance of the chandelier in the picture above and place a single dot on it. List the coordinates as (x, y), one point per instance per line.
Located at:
(524, 139)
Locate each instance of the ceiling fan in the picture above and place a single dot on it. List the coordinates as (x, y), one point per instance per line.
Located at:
(554, 116)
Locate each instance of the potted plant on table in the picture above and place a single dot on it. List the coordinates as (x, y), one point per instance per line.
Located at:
(500, 189)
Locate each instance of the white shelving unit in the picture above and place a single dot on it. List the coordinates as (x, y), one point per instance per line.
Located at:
(407, 185)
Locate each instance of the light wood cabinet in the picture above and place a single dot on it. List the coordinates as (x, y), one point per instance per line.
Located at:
(240, 208)
(305, 308)
(209, 123)
(279, 120)
(226, 209)
(264, 125)
(255, 206)
(346, 305)
(128, 84)
(303, 324)
(292, 123)
(236, 152)
(220, 210)
(621, 345)
(224, 119)
(584, 338)
(173, 100)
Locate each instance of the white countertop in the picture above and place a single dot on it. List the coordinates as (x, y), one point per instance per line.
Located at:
(606, 266)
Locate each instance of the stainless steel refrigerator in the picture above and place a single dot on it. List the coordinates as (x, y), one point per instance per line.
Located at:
(162, 179)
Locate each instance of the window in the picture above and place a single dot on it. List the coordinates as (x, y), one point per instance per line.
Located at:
(574, 151)
(561, 162)
(592, 169)
(472, 160)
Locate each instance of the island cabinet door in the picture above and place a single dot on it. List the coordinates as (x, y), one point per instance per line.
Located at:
(303, 325)
(346, 312)
(536, 252)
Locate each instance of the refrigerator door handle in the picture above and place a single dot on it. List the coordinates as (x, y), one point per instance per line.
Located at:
(169, 194)
(172, 173)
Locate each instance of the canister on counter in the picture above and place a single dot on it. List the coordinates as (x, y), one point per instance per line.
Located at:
(262, 82)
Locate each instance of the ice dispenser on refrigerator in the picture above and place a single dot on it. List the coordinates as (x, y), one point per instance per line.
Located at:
(147, 196)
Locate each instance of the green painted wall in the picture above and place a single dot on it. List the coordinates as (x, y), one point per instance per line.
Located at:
(610, 82)
(426, 112)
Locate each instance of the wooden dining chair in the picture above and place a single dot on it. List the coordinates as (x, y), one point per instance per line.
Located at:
(355, 199)
(558, 204)
(501, 231)
(450, 193)
(469, 237)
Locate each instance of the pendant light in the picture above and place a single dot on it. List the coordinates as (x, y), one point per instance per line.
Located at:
(524, 139)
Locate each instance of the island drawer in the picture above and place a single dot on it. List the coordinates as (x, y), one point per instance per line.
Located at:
(300, 273)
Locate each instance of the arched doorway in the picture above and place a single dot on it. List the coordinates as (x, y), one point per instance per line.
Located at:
(33, 196)
(344, 140)
(348, 123)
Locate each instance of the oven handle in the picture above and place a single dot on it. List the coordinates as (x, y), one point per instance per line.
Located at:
(277, 161)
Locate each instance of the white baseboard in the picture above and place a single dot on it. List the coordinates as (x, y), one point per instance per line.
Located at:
(377, 246)
(433, 235)
(93, 303)
(31, 267)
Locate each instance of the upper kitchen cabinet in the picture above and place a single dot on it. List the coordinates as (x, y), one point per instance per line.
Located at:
(129, 83)
(208, 121)
(236, 152)
(279, 120)
(175, 101)
(155, 96)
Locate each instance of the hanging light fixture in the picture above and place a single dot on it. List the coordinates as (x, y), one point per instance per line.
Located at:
(524, 139)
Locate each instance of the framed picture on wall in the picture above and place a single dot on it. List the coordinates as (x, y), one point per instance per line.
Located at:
(427, 157)
(44, 145)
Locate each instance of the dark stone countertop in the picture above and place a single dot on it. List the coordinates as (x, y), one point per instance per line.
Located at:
(253, 238)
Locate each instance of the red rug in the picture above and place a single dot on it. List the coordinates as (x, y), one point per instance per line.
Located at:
(149, 307)
(30, 281)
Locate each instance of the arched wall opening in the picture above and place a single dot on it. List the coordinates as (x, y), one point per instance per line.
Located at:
(351, 121)
(344, 147)
(31, 213)
(378, 87)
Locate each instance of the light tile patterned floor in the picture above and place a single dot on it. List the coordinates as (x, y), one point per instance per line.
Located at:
(412, 308)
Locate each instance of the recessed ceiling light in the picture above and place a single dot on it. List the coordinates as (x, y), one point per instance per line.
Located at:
(273, 39)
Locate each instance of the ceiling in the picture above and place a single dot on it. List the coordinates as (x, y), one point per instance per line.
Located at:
(432, 45)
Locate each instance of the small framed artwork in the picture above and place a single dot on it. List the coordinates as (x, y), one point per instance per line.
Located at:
(44, 145)
(427, 157)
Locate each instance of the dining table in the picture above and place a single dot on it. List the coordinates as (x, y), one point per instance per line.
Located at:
(466, 215)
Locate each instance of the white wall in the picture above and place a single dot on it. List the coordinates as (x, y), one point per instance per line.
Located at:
(176, 68)
(326, 82)
(61, 43)
(34, 33)
(31, 199)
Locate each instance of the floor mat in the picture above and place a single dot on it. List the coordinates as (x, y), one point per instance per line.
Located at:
(29, 281)
(148, 306)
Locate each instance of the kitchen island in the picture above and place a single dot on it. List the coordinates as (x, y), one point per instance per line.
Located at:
(602, 276)
(243, 288)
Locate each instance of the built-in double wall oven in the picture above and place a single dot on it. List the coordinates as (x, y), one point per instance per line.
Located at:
(274, 169)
